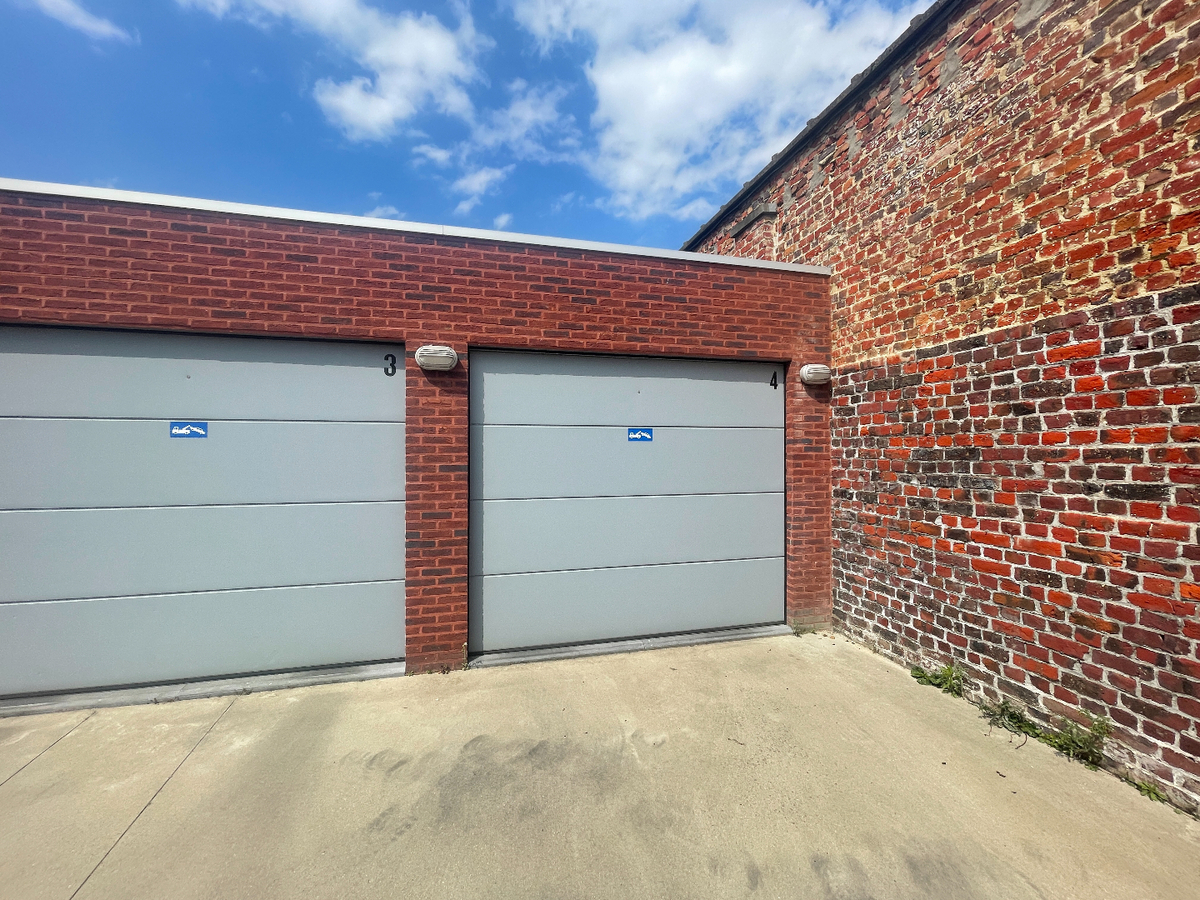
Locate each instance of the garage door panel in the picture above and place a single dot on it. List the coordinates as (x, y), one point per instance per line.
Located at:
(51, 646)
(50, 372)
(543, 535)
(115, 552)
(580, 534)
(514, 611)
(573, 461)
(131, 462)
(131, 556)
(544, 389)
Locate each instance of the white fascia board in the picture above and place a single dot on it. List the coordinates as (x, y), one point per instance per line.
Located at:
(298, 215)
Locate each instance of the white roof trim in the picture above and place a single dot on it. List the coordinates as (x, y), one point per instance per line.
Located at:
(296, 215)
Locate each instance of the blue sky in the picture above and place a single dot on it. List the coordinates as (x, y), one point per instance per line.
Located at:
(612, 120)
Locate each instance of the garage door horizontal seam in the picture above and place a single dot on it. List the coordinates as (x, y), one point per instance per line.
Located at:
(35, 509)
(238, 590)
(682, 562)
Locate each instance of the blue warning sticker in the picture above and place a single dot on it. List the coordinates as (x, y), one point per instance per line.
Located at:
(189, 429)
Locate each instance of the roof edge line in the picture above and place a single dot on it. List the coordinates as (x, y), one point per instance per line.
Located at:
(911, 36)
(16, 185)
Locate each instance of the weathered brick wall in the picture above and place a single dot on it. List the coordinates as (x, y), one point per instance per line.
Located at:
(1011, 209)
(1000, 174)
(123, 265)
(1025, 502)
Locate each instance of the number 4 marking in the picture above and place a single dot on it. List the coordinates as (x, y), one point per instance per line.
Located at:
(775, 380)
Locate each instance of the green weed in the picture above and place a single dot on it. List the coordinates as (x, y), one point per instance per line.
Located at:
(1076, 742)
(951, 679)
(1149, 789)
(1011, 718)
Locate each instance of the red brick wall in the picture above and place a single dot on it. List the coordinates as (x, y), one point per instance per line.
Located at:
(1025, 502)
(999, 174)
(1011, 211)
(82, 262)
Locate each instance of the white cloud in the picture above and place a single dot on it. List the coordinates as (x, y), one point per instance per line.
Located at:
(693, 95)
(531, 126)
(75, 16)
(384, 212)
(412, 61)
(502, 221)
(436, 155)
(481, 180)
(477, 183)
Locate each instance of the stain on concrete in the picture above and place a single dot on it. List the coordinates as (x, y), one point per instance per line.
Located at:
(386, 762)
(392, 824)
(511, 775)
(841, 878)
(753, 876)
(653, 817)
(945, 870)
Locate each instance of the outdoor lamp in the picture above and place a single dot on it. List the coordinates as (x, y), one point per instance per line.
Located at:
(813, 373)
(436, 358)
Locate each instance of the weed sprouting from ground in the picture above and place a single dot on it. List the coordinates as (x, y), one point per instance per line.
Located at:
(1083, 743)
(1149, 789)
(1070, 739)
(951, 679)
(1011, 718)
(1076, 742)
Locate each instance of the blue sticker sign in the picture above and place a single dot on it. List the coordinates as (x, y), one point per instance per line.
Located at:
(641, 434)
(189, 429)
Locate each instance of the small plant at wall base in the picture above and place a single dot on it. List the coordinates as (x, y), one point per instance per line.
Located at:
(1070, 739)
(951, 679)
(1076, 742)
(1011, 718)
(1149, 789)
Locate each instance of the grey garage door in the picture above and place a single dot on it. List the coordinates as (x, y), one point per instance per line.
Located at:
(179, 506)
(615, 497)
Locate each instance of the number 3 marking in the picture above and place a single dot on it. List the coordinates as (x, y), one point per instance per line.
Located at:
(390, 369)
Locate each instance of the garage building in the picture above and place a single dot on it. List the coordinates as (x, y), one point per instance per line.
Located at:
(222, 458)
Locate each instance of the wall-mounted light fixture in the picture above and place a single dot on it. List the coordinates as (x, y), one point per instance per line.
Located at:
(436, 358)
(813, 373)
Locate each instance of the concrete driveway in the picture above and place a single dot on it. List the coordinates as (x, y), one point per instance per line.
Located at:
(780, 767)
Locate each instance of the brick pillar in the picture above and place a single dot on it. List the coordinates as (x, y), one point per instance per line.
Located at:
(809, 503)
(436, 514)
